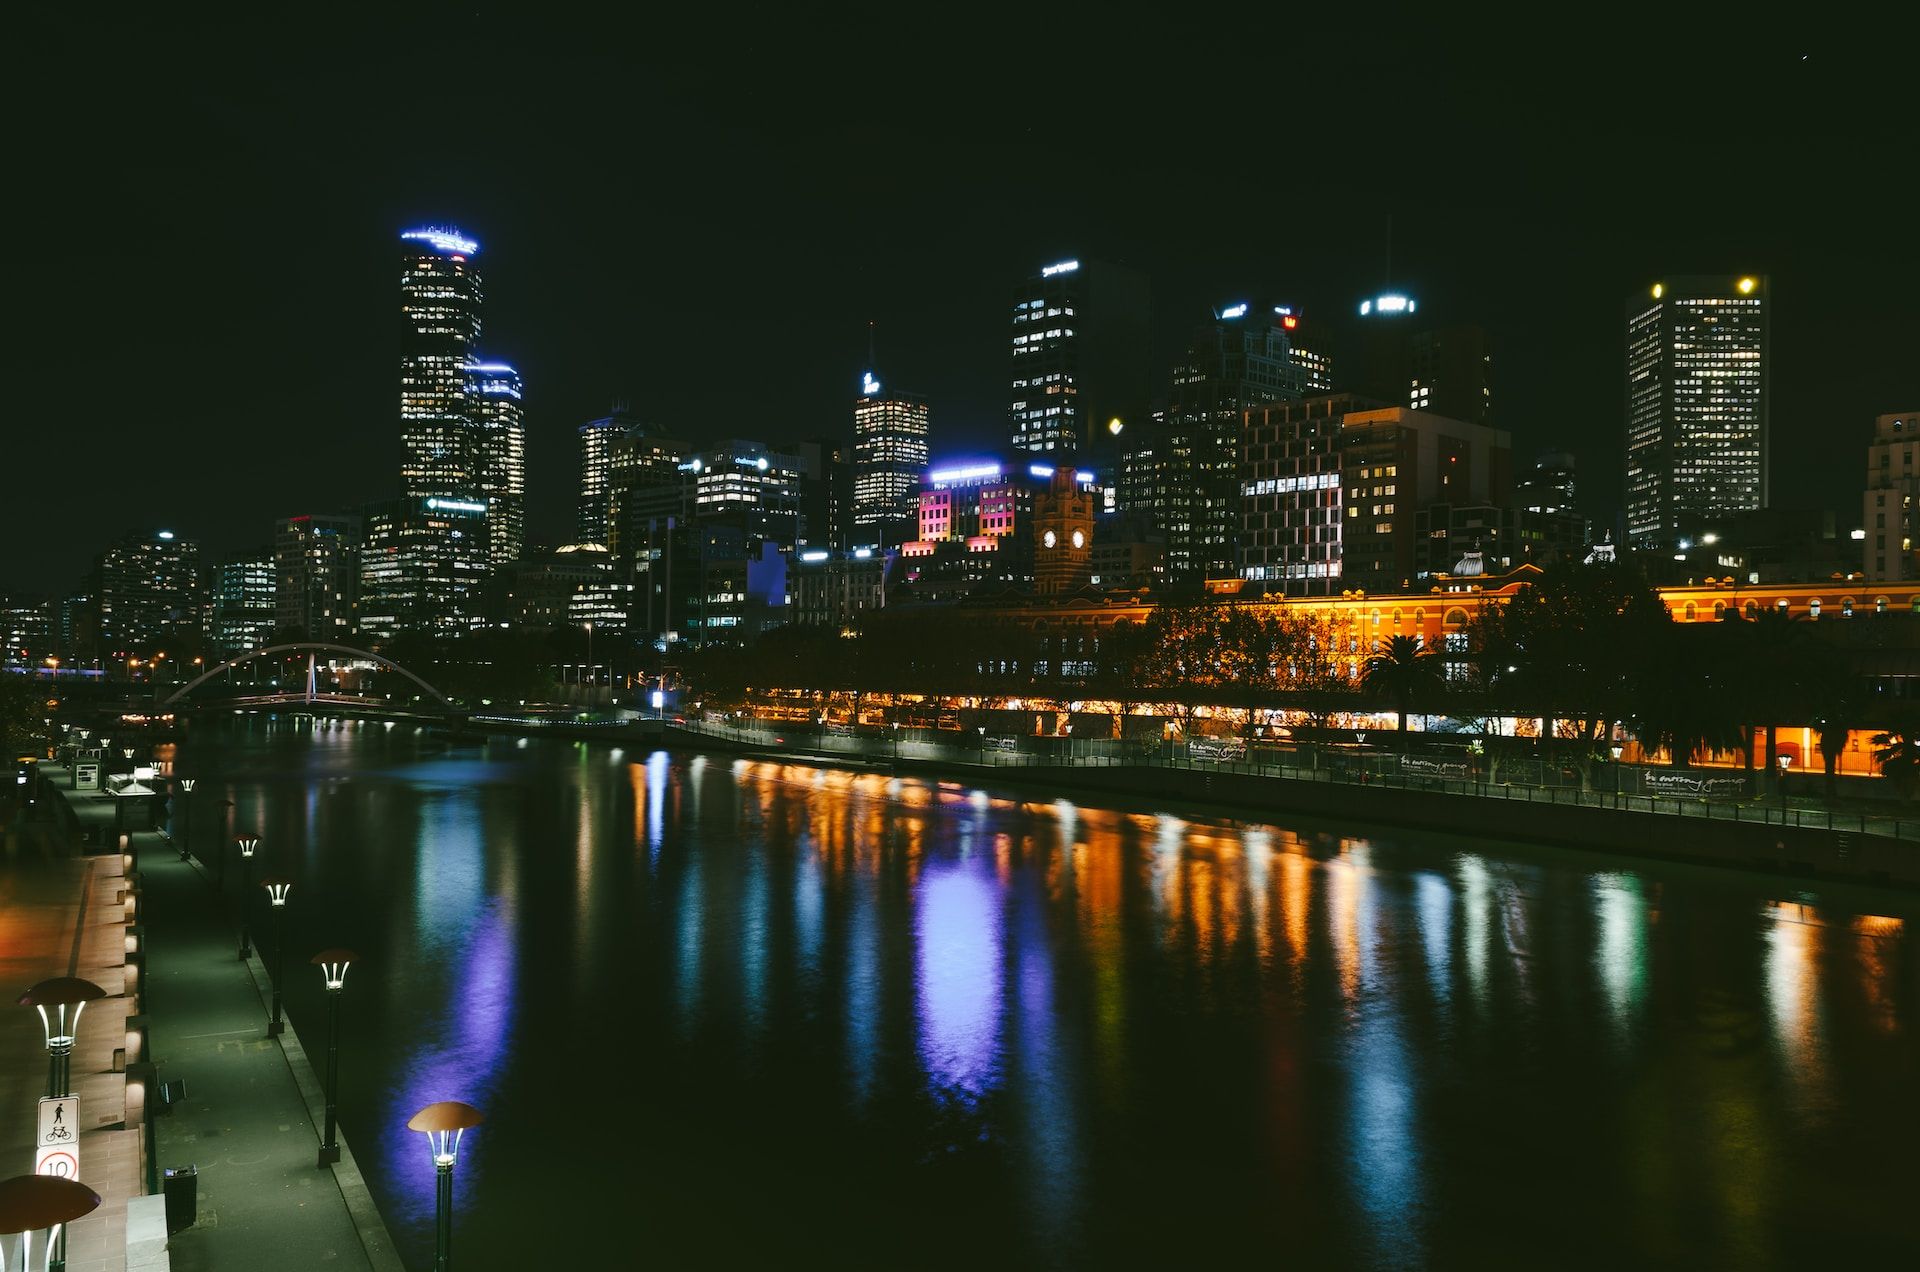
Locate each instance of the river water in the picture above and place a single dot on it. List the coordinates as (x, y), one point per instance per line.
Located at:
(723, 1012)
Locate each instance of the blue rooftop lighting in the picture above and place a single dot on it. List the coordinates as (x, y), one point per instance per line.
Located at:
(445, 239)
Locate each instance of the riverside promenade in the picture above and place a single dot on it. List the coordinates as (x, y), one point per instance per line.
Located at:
(247, 1120)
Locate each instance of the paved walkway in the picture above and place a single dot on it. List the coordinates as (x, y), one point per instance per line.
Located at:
(247, 1121)
(61, 914)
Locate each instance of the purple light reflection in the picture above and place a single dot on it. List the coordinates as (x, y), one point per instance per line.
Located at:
(959, 935)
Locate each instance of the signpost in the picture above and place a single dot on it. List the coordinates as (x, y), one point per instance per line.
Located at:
(86, 777)
(56, 1144)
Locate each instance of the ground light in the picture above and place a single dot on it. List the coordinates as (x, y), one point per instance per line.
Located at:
(443, 1124)
(333, 970)
(60, 1002)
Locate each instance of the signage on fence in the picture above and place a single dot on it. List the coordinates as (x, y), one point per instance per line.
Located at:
(1663, 782)
(86, 777)
(1000, 744)
(839, 730)
(1428, 766)
(1221, 749)
(56, 1146)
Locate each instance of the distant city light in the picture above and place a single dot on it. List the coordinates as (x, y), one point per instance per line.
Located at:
(1114, 426)
(1391, 303)
(1084, 477)
(869, 386)
(1746, 287)
(814, 556)
(455, 505)
(1040, 470)
(1235, 311)
(1064, 267)
(443, 239)
(1859, 534)
(166, 534)
(861, 554)
(1658, 291)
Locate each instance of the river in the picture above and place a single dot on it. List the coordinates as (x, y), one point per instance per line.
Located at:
(724, 1012)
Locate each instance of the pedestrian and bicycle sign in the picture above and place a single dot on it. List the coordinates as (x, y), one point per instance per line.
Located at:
(56, 1146)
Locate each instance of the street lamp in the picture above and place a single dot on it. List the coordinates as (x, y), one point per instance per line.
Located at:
(333, 968)
(444, 1123)
(186, 818)
(1617, 750)
(60, 1002)
(277, 887)
(1785, 762)
(42, 1203)
(249, 844)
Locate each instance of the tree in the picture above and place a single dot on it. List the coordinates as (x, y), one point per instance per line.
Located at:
(1122, 664)
(1401, 671)
(1186, 653)
(1682, 700)
(1252, 647)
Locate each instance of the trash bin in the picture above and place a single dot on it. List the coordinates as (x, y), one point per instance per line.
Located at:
(181, 1184)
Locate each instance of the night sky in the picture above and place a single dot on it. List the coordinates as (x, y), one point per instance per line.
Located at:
(703, 221)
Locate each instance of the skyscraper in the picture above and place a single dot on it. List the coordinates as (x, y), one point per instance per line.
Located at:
(1406, 361)
(243, 589)
(1081, 340)
(493, 391)
(146, 591)
(1696, 405)
(889, 460)
(423, 566)
(440, 305)
(1184, 465)
(598, 442)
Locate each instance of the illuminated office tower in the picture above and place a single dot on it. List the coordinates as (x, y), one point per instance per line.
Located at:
(440, 304)
(493, 394)
(243, 593)
(423, 565)
(599, 440)
(1080, 355)
(1696, 405)
(889, 461)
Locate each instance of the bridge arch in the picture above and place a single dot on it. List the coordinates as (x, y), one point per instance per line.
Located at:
(306, 647)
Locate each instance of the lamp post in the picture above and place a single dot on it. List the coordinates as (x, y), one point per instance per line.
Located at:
(443, 1124)
(1785, 762)
(60, 1002)
(333, 968)
(186, 818)
(248, 844)
(277, 887)
(42, 1203)
(1616, 750)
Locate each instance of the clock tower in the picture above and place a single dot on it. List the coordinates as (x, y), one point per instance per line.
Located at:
(1062, 534)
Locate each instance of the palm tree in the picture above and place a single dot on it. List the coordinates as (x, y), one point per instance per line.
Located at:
(1401, 670)
(1897, 751)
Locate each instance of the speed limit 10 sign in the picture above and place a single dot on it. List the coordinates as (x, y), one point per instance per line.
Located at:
(56, 1148)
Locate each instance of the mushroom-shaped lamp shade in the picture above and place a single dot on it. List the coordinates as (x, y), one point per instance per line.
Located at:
(186, 784)
(59, 1002)
(277, 887)
(249, 844)
(333, 966)
(443, 1123)
(30, 1203)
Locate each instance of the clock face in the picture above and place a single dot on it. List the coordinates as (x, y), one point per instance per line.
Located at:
(1079, 539)
(1048, 538)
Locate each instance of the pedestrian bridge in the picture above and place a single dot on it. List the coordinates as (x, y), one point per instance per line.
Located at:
(311, 695)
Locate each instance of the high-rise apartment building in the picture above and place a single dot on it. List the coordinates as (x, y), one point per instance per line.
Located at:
(423, 565)
(493, 391)
(1183, 467)
(316, 567)
(440, 305)
(599, 440)
(889, 460)
(244, 612)
(1330, 487)
(1081, 346)
(146, 592)
(1891, 506)
(1697, 370)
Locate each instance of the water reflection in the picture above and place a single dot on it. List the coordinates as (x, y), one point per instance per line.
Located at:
(873, 1002)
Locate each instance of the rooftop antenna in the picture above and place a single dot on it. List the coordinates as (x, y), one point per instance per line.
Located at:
(872, 364)
(1386, 283)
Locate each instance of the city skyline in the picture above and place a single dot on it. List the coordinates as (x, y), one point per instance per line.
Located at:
(1556, 234)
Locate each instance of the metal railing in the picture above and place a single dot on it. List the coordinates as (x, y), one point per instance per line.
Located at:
(1337, 765)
